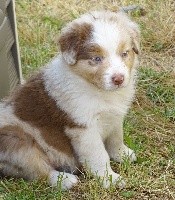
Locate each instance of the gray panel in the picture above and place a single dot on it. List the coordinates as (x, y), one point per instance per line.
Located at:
(4, 77)
(2, 15)
(3, 5)
(10, 69)
(3, 33)
(7, 2)
(12, 72)
(15, 47)
(10, 37)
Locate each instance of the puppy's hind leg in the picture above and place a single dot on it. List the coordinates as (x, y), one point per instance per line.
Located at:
(55, 178)
(64, 180)
(21, 156)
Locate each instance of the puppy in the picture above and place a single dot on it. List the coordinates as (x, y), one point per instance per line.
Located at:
(71, 113)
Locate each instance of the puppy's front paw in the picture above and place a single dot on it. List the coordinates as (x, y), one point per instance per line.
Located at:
(64, 180)
(126, 153)
(113, 179)
(130, 154)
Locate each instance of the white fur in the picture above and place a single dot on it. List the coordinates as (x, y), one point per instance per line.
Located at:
(117, 67)
(69, 57)
(92, 154)
(87, 105)
(72, 93)
(100, 111)
(62, 179)
(108, 36)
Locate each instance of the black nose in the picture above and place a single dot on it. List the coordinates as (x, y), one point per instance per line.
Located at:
(117, 79)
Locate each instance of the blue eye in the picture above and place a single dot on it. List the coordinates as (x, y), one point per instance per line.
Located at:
(97, 59)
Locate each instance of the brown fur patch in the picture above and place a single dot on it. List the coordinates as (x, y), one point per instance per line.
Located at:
(122, 47)
(92, 72)
(135, 50)
(129, 61)
(127, 46)
(13, 137)
(89, 51)
(23, 156)
(32, 104)
(75, 38)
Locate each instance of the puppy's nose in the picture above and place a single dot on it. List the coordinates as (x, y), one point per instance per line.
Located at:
(117, 79)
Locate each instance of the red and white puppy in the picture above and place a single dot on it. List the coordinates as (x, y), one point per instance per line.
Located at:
(71, 113)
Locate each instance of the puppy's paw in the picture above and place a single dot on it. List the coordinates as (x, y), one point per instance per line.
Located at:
(64, 180)
(113, 179)
(130, 154)
(125, 153)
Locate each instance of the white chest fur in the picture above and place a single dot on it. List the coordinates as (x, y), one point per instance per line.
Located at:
(81, 100)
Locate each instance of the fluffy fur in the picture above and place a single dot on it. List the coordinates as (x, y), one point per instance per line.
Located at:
(71, 113)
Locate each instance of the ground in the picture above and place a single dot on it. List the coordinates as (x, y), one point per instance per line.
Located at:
(150, 124)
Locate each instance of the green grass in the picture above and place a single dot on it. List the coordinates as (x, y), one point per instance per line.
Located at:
(148, 130)
(150, 125)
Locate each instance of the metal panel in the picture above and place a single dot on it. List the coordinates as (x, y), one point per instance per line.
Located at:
(15, 47)
(3, 5)
(4, 76)
(3, 33)
(2, 15)
(10, 68)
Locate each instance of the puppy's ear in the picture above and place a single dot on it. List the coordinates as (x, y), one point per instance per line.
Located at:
(72, 40)
(68, 42)
(135, 34)
(133, 28)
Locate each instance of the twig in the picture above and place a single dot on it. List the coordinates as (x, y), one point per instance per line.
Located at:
(132, 8)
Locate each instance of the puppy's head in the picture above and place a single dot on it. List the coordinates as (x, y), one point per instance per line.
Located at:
(102, 47)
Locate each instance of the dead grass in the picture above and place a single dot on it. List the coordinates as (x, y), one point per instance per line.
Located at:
(150, 125)
(39, 22)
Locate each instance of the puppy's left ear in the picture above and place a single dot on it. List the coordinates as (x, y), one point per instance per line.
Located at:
(72, 40)
(135, 34)
(133, 29)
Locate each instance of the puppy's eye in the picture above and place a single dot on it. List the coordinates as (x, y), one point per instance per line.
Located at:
(97, 59)
(124, 54)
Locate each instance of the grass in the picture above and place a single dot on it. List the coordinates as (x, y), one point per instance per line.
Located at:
(150, 124)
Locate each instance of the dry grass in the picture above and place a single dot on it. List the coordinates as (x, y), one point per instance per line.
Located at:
(150, 125)
(39, 23)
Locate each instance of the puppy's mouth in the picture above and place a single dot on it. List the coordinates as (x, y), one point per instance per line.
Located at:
(112, 87)
(109, 86)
